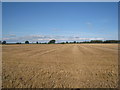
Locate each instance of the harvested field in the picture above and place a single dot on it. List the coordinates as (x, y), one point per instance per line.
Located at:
(60, 66)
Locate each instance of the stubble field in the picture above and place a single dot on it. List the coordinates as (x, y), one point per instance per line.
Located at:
(60, 66)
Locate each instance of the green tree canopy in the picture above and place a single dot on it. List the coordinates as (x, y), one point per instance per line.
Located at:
(37, 42)
(4, 42)
(26, 42)
(51, 42)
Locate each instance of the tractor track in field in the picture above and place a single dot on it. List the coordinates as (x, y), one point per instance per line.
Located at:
(60, 66)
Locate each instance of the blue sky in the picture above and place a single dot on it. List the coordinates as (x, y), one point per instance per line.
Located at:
(63, 21)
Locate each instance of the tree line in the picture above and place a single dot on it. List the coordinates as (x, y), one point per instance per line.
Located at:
(53, 42)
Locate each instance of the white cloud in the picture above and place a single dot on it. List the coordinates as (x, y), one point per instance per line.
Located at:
(10, 35)
(46, 38)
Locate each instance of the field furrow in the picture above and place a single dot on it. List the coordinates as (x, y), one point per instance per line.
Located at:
(60, 66)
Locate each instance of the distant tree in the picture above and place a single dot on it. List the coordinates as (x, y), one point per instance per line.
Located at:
(4, 42)
(96, 41)
(51, 42)
(62, 42)
(112, 41)
(71, 42)
(0, 42)
(85, 42)
(37, 42)
(18, 43)
(66, 41)
(26, 42)
(43, 43)
(118, 41)
(74, 42)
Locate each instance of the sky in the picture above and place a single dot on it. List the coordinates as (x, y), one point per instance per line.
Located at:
(62, 21)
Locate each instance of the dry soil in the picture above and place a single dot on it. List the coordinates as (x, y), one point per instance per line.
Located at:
(60, 66)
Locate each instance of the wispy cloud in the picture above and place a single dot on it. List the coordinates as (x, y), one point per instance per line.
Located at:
(46, 38)
(10, 35)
